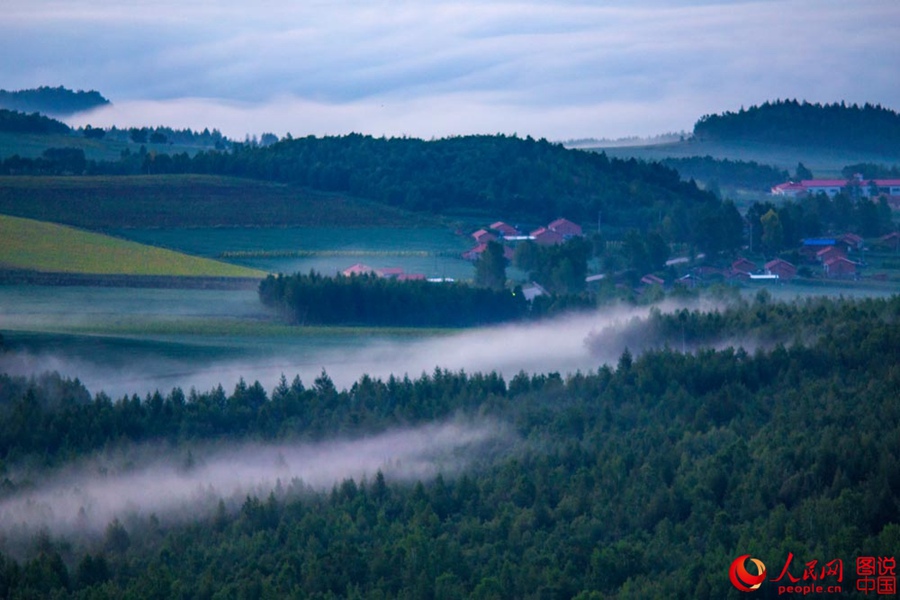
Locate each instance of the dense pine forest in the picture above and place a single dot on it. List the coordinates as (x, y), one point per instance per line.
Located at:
(645, 479)
(16, 122)
(314, 299)
(792, 123)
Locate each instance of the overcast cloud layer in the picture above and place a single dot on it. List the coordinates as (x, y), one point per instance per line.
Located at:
(560, 70)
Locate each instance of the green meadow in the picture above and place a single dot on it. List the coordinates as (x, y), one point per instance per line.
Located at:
(432, 251)
(32, 245)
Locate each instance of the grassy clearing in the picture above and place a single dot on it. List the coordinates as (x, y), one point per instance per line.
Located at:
(40, 246)
(109, 202)
(433, 251)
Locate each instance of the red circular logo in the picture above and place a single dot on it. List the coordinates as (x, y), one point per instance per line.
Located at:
(741, 577)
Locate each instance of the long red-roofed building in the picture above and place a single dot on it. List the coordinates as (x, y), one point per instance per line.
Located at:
(861, 187)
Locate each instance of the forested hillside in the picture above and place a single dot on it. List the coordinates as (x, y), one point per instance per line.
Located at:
(51, 101)
(791, 123)
(734, 173)
(491, 176)
(12, 121)
(645, 480)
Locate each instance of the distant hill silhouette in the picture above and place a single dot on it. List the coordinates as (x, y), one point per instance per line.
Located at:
(19, 122)
(51, 101)
(792, 123)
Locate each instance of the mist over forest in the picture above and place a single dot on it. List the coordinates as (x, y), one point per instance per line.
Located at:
(658, 405)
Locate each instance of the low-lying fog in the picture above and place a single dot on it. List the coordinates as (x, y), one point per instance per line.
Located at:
(564, 345)
(186, 483)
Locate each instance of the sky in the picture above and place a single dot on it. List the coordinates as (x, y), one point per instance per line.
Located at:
(561, 70)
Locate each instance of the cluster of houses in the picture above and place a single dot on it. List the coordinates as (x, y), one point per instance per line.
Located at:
(856, 187)
(556, 232)
(831, 254)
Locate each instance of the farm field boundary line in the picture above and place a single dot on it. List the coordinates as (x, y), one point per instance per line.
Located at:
(28, 277)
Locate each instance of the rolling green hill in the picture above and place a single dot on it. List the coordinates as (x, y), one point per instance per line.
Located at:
(185, 201)
(26, 244)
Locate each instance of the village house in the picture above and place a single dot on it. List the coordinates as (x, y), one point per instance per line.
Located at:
(565, 228)
(890, 241)
(742, 265)
(385, 272)
(532, 291)
(504, 229)
(857, 186)
(811, 246)
(830, 253)
(546, 237)
(483, 236)
(850, 241)
(782, 268)
(840, 268)
(357, 269)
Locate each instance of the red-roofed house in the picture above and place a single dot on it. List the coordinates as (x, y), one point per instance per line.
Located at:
(565, 228)
(861, 187)
(850, 241)
(357, 269)
(546, 237)
(840, 268)
(483, 236)
(504, 229)
(742, 265)
(831, 252)
(785, 270)
(891, 241)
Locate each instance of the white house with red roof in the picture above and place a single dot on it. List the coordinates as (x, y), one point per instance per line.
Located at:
(863, 188)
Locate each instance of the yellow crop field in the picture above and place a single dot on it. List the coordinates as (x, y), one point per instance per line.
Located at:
(48, 247)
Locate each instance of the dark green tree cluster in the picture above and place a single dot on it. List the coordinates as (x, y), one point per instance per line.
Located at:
(49, 100)
(53, 161)
(871, 171)
(315, 299)
(559, 268)
(783, 227)
(792, 123)
(54, 418)
(645, 480)
(732, 173)
(486, 174)
(490, 268)
(19, 122)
